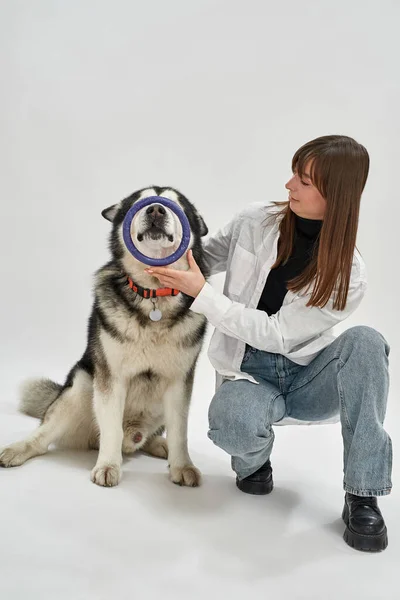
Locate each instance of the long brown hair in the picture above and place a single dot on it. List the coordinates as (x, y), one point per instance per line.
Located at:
(339, 171)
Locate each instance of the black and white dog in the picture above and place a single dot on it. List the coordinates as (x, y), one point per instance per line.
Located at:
(136, 375)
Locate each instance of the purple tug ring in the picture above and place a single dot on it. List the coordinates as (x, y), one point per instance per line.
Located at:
(126, 231)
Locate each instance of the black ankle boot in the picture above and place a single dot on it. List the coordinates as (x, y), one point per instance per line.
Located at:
(366, 529)
(258, 483)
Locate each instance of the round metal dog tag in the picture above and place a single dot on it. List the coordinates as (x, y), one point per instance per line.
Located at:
(155, 314)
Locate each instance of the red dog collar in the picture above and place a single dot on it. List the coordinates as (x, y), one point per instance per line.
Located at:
(151, 293)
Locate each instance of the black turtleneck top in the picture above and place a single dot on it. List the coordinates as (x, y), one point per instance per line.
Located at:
(306, 234)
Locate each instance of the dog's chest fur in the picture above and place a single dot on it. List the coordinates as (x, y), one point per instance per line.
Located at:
(164, 348)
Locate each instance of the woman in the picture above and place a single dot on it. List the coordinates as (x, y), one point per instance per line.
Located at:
(292, 273)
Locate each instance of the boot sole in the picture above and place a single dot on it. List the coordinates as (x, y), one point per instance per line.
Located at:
(365, 543)
(256, 488)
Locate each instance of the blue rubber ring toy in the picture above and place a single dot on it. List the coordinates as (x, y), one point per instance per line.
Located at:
(126, 231)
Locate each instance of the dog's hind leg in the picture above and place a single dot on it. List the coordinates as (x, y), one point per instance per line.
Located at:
(63, 420)
(34, 445)
(109, 403)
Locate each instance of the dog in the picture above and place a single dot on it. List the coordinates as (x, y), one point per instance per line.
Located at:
(135, 378)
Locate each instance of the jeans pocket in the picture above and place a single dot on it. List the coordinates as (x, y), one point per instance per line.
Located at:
(249, 350)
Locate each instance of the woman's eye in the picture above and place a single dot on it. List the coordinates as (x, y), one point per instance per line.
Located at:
(304, 183)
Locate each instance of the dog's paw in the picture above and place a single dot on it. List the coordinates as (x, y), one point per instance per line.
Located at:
(187, 475)
(14, 455)
(156, 446)
(128, 447)
(106, 475)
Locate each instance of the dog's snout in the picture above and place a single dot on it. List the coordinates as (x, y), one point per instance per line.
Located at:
(156, 210)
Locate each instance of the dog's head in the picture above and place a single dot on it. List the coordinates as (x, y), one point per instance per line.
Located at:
(155, 230)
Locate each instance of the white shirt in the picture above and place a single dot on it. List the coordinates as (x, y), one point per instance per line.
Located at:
(246, 249)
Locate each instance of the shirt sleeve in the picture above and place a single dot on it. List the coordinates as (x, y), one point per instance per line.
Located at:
(294, 324)
(216, 248)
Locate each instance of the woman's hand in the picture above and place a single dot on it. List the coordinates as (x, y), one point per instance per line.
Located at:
(189, 282)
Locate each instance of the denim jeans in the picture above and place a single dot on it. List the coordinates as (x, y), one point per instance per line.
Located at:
(348, 378)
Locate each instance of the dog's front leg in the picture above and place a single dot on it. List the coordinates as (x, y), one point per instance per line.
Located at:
(109, 404)
(176, 403)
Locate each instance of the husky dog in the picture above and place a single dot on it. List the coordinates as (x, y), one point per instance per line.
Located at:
(136, 375)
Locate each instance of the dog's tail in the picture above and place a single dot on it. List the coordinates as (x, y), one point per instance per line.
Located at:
(36, 395)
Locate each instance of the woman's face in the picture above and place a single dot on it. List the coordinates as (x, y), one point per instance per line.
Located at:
(305, 199)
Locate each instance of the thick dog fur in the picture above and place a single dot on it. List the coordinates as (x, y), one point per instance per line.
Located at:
(135, 377)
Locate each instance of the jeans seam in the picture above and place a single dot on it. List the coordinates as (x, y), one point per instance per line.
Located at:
(390, 461)
(342, 402)
(293, 389)
(269, 411)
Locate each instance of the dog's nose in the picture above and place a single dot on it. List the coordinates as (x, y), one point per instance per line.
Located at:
(156, 210)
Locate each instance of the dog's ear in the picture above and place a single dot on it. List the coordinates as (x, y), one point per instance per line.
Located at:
(203, 226)
(110, 212)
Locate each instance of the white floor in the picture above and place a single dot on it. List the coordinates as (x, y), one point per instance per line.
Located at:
(62, 537)
(102, 98)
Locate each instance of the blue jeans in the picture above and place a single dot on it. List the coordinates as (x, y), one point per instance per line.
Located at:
(349, 378)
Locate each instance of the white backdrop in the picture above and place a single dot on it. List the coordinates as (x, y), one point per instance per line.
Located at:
(97, 100)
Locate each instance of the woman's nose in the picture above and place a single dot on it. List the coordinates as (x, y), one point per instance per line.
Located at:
(289, 184)
(293, 183)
